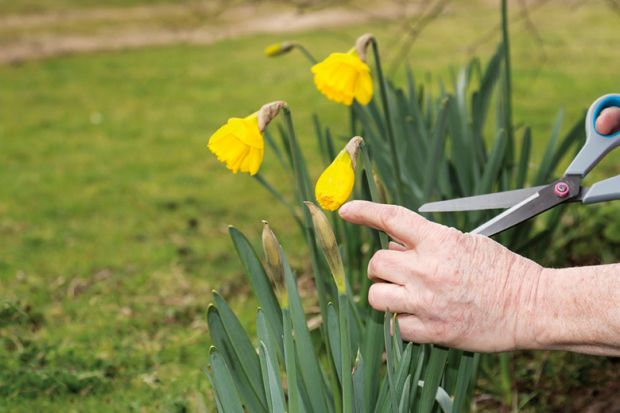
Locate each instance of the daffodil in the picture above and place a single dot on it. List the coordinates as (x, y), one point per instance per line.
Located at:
(335, 184)
(342, 77)
(277, 49)
(326, 240)
(240, 143)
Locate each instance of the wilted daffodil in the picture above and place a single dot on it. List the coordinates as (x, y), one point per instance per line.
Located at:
(342, 77)
(240, 144)
(335, 184)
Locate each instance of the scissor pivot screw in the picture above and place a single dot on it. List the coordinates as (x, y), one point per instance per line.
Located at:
(561, 189)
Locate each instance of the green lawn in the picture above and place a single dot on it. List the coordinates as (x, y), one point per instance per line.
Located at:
(113, 214)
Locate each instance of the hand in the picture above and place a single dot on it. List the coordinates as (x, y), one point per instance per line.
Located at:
(449, 288)
(608, 121)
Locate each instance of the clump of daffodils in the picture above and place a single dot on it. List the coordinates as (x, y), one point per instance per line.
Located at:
(240, 143)
(342, 77)
(335, 184)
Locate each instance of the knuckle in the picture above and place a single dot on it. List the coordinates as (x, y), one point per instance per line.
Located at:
(392, 216)
(376, 262)
(372, 297)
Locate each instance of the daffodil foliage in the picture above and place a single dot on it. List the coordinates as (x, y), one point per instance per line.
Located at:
(332, 352)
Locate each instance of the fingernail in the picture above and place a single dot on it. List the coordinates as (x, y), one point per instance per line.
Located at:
(345, 208)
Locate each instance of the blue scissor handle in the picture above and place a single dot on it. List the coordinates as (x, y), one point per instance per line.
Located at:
(597, 145)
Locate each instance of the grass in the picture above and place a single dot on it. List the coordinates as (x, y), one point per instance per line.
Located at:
(113, 215)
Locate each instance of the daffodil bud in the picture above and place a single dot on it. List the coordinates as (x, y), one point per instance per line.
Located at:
(271, 248)
(273, 262)
(335, 184)
(327, 242)
(361, 44)
(278, 49)
(268, 112)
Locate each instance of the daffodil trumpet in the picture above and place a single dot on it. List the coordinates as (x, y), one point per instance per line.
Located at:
(343, 77)
(240, 143)
(335, 184)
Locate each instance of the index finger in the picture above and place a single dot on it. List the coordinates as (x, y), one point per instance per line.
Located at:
(398, 222)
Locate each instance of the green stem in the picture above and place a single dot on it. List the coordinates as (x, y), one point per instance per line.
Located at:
(277, 195)
(345, 354)
(306, 53)
(302, 194)
(507, 84)
(388, 121)
(353, 120)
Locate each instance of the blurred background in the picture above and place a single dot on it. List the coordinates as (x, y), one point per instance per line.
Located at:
(114, 215)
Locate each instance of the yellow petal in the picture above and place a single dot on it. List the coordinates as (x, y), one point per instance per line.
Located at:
(239, 144)
(342, 77)
(335, 184)
(363, 89)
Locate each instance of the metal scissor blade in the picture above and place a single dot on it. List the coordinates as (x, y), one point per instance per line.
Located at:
(529, 207)
(495, 200)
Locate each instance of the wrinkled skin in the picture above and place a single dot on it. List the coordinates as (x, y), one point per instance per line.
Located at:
(450, 288)
(469, 292)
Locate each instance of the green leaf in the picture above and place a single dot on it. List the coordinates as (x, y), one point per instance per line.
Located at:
(572, 138)
(359, 385)
(524, 158)
(435, 155)
(308, 362)
(333, 335)
(276, 396)
(420, 357)
(272, 346)
(258, 279)
(254, 398)
(274, 148)
(432, 377)
(295, 402)
(481, 102)
(390, 359)
(493, 165)
(345, 354)
(403, 368)
(403, 406)
(240, 343)
(223, 384)
(546, 165)
(464, 377)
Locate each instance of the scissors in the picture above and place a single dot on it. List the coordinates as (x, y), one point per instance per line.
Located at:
(523, 204)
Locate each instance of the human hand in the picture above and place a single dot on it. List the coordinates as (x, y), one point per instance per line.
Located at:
(608, 121)
(449, 288)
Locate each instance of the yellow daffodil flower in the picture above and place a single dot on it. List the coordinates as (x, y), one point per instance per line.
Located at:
(335, 184)
(240, 143)
(342, 77)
